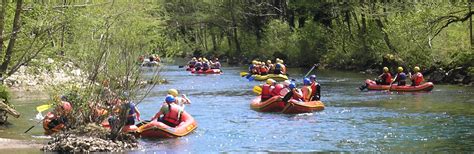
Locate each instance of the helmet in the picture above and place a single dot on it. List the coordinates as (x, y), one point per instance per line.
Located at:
(173, 92)
(194, 58)
(254, 62)
(286, 83)
(385, 69)
(269, 61)
(292, 85)
(169, 99)
(281, 61)
(270, 81)
(66, 106)
(400, 69)
(312, 77)
(306, 81)
(416, 69)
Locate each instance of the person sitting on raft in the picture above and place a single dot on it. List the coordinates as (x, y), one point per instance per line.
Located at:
(60, 118)
(279, 67)
(295, 94)
(263, 69)
(306, 89)
(385, 78)
(400, 77)
(252, 66)
(198, 64)
(417, 78)
(215, 64)
(267, 90)
(269, 66)
(192, 62)
(132, 113)
(179, 100)
(170, 113)
(205, 65)
(286, 88)
(315, 89)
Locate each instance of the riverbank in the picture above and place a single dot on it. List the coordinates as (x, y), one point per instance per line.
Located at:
(6, 144)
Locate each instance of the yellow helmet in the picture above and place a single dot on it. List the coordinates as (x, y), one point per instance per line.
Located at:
(254, 62)
(270, 81)
(385, 69)
(269, 61)
(416, 69)
(173, 92)
(400, 69)
(281, 61)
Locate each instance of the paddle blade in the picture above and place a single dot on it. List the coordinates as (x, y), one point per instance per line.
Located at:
(42, 108)
(251, 78)
(242, 74)
(257, 89)
(180, 66)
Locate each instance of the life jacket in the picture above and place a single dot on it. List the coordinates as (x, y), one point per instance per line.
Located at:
(417, 79)
(256, 70)
(296, 97)
(251, 66)
(266, 93)
(387, 78)
(283, 69)
(276, 91)
(131, 112)
(306, 93)
(205, 66)
(192, 63)
(263, 69)
(173, 115)
(314, 88)
(198, 64)
(401, 76)
(278, 68)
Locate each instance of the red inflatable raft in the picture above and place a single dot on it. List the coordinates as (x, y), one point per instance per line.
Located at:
(371, 85)
(275, 104)
(209, 71)
(155, 129)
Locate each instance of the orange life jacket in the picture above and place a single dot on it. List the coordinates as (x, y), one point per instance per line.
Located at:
(263, 69)
(306, 93)
(173, 115)
(266, 93)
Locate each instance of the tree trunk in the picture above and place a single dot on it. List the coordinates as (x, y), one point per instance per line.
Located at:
(213, 37)
(234, 29)
(348, 21)
(11, 43)
(470, 25)
(2, 24)
(385, 36)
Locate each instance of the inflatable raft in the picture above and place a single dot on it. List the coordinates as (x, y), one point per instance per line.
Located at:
(302, 107)
(126, 129)
(156, 129)
(371, 85)
(276, 77)
(50, 128)
(209, 71)
(275, 104)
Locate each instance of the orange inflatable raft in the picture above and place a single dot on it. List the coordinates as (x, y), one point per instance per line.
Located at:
(209, 71)
(302, 107)
(270, 105)
(371, 85)
(156, 129)
(275, 104)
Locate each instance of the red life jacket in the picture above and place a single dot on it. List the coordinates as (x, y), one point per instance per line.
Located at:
(388, 78)
(266, 93)
(418, 78)
(173, 115)
(263, 69)
(276, 91)
(314, 88)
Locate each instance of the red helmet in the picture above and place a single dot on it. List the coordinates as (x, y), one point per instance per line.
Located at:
(66, 106)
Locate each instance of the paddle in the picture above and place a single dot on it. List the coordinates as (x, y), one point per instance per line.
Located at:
(42, 108)
(257, 89)
(242, 74)
(311, 70)
(180, 66)
(38, 116)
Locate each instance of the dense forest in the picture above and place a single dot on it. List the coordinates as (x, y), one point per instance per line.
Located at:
(349, 35)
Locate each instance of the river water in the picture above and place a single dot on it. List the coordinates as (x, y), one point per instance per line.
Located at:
(441, 120)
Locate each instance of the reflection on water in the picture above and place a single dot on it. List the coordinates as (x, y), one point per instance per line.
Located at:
(441, 120)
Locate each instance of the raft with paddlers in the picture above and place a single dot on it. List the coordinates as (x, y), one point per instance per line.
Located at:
(276, 77)
(371, 85)
(275, 104)
(126, 129)
(209, 71)
(156, 129)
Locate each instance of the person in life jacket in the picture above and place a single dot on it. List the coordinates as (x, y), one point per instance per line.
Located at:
(315, 89)
(205, 65)
(256, 69)
(286, 88)
(198, 65)
(132, 113)
(263, 70)
(417, 78)
(192, 62)
(170, 113)
(385, 78)
(278, 89)
(283, 67)
(267, 90)
(306, 89)
(252, 66)
(269, 66)
(179, 100)
(400, 77)
(295, 94)
(58, 119)
(215, 64)
(277, 69)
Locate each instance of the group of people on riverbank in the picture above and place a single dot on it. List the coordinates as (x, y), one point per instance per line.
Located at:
(203, 64)
(263, 68)
(400, 77)
(288, 91)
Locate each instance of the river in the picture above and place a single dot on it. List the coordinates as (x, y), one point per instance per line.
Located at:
(441, 120)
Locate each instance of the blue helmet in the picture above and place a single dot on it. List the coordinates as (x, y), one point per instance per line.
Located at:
(312, 77)
(306, 81)
(292, 85)
(169, 99)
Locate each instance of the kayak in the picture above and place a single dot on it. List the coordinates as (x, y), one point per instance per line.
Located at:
(209, 71)
(427, 86)
(275, 104)
(47, 126)
(270, 105)
(156, 129)
(276, 77)
(302, 107)
(126, 129)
